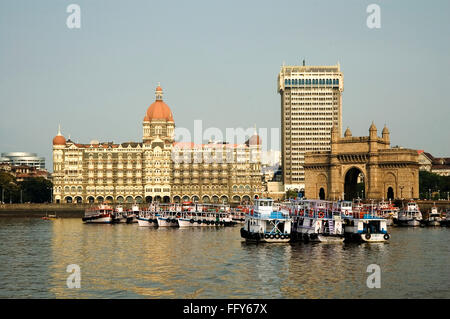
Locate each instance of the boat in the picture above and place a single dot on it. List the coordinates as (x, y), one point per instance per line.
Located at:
(263, 224)
(365, 226)
(119, 215)
(102, 214)
(201, 215)
(147, 218)
(388, 211)
(318, 221)
(238, 214)
(434, 217)
(446, 221)
(49, 217)
(410, 216)
(168, 218)
(132, 214)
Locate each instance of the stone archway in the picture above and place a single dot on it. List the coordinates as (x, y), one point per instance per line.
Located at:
(354, 184)
(390, 193)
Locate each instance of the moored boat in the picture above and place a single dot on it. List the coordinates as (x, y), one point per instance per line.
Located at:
(263, 224)
(410, 215)
(317, 221)
(102, 214)
(434, 217)
(365, 226)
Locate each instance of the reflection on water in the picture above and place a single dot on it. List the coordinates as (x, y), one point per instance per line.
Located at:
(126, 261)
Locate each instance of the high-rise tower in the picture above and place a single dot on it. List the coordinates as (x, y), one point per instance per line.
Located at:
(311, 104)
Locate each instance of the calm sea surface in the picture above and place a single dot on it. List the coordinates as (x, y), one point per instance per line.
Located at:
(127, 261)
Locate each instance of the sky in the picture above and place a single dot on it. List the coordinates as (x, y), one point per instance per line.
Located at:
(217, 61)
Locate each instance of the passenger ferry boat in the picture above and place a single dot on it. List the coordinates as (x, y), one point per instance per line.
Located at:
(263, 224)
(410, 216)
(119, 215)
(201, 215)
(168, 218)
(318, 221)
(434, 217)
(103, 214)
(238, 214)
(147, 219)
(365, 226)
(446, 221)
(388, 211)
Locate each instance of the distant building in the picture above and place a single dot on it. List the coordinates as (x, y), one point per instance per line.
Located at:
(23, 158)
(437, 165)
(311, 104)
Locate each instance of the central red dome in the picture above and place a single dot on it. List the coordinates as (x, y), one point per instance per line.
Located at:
(159, 110)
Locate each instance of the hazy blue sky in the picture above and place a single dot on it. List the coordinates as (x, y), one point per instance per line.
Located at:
(217, 61)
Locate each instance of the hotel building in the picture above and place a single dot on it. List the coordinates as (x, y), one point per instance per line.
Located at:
(156, 169)
(311, 103)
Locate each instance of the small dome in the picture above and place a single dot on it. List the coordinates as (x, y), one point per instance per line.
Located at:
(385, 130)
(372, 127)
(254, 140)
(347, 133)
(59, 140)
(159, 88)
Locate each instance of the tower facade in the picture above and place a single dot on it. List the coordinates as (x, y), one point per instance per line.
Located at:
(311, 104)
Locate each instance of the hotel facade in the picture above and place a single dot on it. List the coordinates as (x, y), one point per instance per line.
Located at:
(311, 104)
(156, 169)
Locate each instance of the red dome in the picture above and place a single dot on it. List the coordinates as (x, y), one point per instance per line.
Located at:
(159, 111)
(159, 88)
(59, 140)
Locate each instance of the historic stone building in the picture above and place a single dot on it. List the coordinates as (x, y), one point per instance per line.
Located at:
(364, 167)
(156, 169)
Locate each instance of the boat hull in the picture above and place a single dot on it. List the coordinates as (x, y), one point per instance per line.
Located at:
(98, 220)
(367, 238)
(142, 222)
(167, 222)
(265, 238)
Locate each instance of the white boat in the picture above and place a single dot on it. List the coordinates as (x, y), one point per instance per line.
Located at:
(434, 217)
(446, 221)
(102, 214)
(147, 219)
(317, 221)
(168, 218)
(119, 215)
(410, 216)
(263, 224)
(238, 214)
(388, 211)
(202, 215)
(365, 226)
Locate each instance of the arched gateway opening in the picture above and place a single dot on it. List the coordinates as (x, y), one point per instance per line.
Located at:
(354, 186)
(390, 193)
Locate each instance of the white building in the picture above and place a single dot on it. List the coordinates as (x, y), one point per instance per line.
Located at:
(311, 103)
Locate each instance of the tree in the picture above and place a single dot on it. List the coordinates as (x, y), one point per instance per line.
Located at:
(36, 190)
(10, 190)
(434, 183)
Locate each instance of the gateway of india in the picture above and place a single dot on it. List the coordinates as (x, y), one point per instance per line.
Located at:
(156, 169)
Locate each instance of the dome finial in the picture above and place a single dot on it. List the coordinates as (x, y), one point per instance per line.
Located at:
(159, 92)
(59, 130)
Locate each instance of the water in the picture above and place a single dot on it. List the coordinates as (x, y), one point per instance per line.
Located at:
(127, 261)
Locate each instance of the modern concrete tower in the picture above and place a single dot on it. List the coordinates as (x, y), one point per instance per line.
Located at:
(311, 104)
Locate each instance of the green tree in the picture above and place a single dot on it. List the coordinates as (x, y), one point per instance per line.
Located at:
(36, 190)
(9, 189)
(430, 182)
